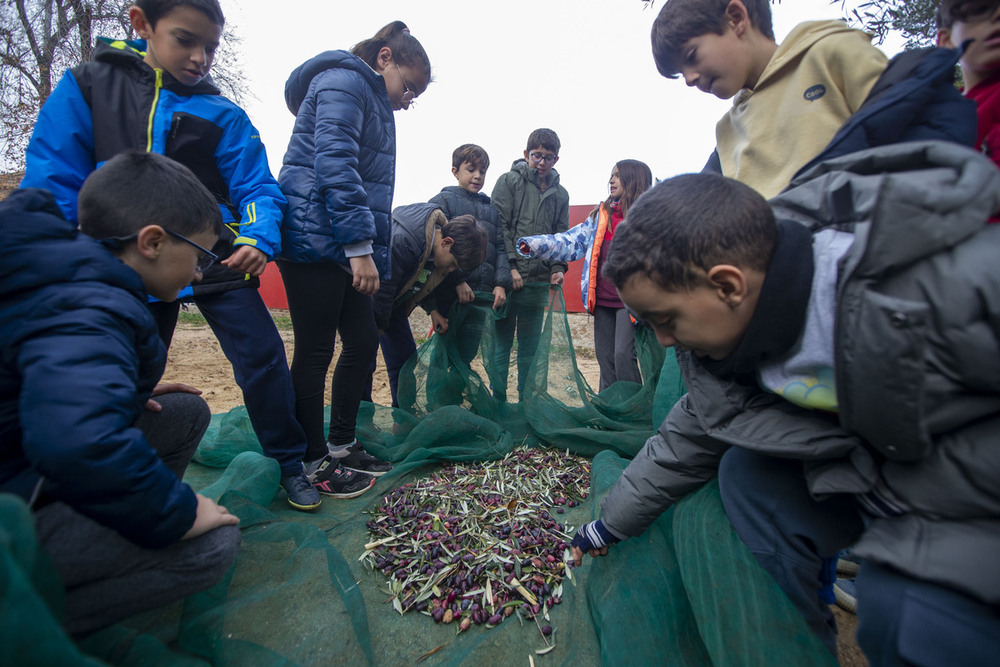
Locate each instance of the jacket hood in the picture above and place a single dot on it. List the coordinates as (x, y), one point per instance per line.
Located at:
(520, 165)
(481, 197)
(930, 196)
(798, 41)
(42, 248)
(130, 53)
(298, 81)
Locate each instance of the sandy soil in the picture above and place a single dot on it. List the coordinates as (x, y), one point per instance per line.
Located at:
(196, 359)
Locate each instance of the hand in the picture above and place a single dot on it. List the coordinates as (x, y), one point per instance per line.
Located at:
(557, 278)
(439, 321)
(365, 274)
(170, 388)
(247, 259)
(499, 297)
(209, 517)
(593, 539)
(515, 276)
(465, 293)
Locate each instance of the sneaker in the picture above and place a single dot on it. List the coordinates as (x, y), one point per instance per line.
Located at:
(301, 493)
(333, 479)
(360, 460)
(846, 594)
(848, 563)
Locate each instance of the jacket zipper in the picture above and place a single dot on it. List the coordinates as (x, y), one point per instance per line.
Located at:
(152, 109)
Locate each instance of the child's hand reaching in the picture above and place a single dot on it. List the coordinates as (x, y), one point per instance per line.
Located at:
(515, 277)
(209, 517)
(439, 321)
(465, 293)
(499, 297)
(247, 259)
(593, 539)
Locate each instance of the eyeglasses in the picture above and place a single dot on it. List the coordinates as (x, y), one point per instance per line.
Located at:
(206, 258)
(974, 11)
(539, 158)
(407, 93)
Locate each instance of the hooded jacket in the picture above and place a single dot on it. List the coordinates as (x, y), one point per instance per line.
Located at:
(916, 366)
(339, 169)
(495, 269)
(525, 210)
(80, 356)
(118, 102)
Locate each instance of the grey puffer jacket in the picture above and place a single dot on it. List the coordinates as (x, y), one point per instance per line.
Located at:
(917, 364)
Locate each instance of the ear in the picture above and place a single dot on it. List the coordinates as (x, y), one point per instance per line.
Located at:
(150, 241)
(447, 242)
(944, 38)
(729, 282)
(737, 17)
(383, 58)
(454, 172)
(526, 158)
(140, 23)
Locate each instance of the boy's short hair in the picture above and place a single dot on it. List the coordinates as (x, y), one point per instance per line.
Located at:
(470, 239)
(134, 189)
(157, 9)
(477, 155)
(682, 20)
(950, 11)
(545, 138)
(692, 221)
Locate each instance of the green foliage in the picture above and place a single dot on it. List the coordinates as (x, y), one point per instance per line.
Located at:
(913, 18)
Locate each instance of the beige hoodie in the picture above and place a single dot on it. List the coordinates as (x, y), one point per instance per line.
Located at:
(815, 80)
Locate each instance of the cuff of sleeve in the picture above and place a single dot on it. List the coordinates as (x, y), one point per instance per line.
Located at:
(608, 534)
(358, 249)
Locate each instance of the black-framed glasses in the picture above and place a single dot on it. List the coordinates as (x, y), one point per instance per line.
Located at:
(974, 11)
(408, 95)
(540, 158)
(206, 258)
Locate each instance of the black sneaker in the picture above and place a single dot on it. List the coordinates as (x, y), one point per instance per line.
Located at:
(360, 460)
(301, 493)
(333, 479)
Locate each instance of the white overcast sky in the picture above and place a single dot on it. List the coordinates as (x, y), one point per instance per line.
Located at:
(501, 69)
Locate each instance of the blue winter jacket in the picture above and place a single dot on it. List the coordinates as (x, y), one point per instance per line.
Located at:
(80, 356)
(340, 166)
(117, 102)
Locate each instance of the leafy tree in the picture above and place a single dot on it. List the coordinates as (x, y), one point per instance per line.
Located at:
(40, 39)
(913, 18)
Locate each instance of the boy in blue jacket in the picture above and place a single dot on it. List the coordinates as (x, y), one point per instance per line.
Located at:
(81, 441)
(153, 94)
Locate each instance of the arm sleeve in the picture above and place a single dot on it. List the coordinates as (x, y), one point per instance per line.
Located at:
(242, 161)
(503, 201)
(561, 226)
(567, 246)
(855, 65)
(77, 406)
(340, 116)
(60, 154)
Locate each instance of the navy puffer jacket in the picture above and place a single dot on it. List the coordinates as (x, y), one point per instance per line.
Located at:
(495, 269)
(79, 356)
(340, 166)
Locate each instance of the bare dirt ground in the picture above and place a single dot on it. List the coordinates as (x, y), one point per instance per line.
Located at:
(196, 359)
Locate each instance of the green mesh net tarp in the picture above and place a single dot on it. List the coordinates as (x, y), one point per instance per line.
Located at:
(687, 592)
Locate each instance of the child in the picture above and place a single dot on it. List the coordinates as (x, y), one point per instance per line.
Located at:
(426, 247)
(795, 105)
(469, 163)
(529, 200)
(851, 395)
(153, 94)
(338, 175)
(614, 331)
(81, 359)
(958, 22)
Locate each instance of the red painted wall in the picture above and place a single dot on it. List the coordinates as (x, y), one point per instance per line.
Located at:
(273, 291)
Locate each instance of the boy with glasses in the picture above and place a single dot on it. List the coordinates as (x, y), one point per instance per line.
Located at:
(529, 200)
(978, 23)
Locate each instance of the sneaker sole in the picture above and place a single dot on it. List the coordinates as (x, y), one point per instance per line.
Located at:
(373, 473)
(304, 508)
(845, 600)
(346, 494)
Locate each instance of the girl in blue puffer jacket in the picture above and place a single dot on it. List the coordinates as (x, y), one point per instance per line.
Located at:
(338, 176)
(614, 331)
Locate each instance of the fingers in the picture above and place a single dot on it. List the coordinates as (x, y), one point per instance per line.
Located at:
(577, 556)
(153, 406)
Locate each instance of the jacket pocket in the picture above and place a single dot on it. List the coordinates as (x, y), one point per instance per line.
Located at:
(883, 352)
(192, 142)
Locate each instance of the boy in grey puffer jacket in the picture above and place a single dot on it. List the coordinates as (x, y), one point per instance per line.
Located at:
(840, 349)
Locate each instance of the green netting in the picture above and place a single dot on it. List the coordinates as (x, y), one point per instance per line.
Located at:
(686, 592)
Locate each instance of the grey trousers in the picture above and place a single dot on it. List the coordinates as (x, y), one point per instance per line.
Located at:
(107, 577)
(614, 342)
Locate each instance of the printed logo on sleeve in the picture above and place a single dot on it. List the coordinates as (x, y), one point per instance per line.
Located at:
(813, 93)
